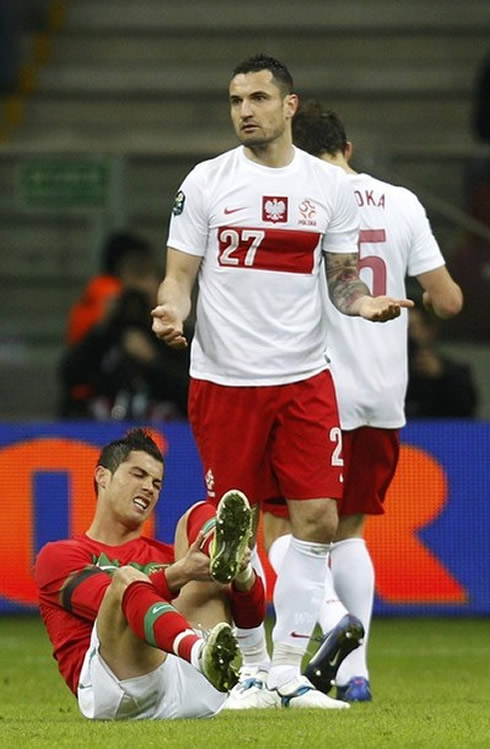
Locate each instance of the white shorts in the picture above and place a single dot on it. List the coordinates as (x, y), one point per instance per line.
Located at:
(174, 690)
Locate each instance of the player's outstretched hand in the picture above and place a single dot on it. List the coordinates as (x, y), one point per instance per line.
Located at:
(382, 308)
(168, 326)
(194, 565)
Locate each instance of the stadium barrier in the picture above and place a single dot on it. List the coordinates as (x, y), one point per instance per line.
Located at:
(430, 549)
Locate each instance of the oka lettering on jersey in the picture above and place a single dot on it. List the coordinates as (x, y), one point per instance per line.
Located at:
(369, 198)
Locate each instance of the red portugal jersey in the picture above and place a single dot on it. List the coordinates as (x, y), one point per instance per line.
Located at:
(72, 577)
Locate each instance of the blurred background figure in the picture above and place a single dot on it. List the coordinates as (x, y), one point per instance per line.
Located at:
(10, 25)
(470, 262)
(114, 367)
(121, 254)
(481, 114)
(438, 386)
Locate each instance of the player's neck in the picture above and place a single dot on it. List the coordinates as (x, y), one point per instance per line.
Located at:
(112, 534)
(338, 160)
(275, 155)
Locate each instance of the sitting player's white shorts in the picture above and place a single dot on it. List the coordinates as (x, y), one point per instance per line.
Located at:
(174, 690)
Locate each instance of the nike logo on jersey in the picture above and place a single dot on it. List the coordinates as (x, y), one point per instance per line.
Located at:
(227, 211)
(298, 634)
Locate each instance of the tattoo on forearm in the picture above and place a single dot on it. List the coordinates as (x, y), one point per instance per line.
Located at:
(344, 284)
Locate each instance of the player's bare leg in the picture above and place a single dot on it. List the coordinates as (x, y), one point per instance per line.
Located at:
(137, 628)
(126, 654)
(202, 603)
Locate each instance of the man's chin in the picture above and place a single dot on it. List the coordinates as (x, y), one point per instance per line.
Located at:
(253, 142)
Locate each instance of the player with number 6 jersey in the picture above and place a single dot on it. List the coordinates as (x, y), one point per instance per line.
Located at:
(395, 240)
(369, 366)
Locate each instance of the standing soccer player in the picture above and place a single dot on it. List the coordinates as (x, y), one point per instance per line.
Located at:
(254, 223)
(369, 366)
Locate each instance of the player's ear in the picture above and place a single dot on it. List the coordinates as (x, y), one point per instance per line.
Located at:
(101, 477)
(291, 105)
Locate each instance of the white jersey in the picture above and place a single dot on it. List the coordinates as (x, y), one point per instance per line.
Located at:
(261, 232)
(369, 360)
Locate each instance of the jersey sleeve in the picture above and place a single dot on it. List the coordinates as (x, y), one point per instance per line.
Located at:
(425, 254)
(188, 231)
(66, 578)
(342, 234)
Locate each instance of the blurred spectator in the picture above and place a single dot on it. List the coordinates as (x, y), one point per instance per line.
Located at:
(470, 262)
(118, 369)
(481, 117)
(10, 28)
(16, 17)
(437, 385)
(120, 252)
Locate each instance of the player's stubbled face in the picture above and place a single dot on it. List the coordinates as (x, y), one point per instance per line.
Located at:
(134, 488)
(258, 108)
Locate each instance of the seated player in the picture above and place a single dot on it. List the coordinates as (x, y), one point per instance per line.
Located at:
(105, 596)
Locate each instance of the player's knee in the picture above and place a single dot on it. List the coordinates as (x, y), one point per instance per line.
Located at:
(124, 576)
(315, 520)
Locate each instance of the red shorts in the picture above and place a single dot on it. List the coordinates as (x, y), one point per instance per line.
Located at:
(269, 441)
(370, 460)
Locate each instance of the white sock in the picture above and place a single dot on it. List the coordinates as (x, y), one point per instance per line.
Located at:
(353, 577)
(195, 653)
(297, 598)
(278, 550)
(332, 609)
(257, 565)
(253, 645)
(253, 642)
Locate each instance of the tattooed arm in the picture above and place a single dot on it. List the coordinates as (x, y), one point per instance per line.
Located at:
(351, 296)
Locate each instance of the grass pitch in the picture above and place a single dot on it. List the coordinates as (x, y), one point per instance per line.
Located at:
(430, 680)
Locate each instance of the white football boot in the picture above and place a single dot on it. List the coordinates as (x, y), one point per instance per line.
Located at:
(252, 692)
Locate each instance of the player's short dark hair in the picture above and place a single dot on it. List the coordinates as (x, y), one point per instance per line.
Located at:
(318, 131)
(117, 452)
(280, 73)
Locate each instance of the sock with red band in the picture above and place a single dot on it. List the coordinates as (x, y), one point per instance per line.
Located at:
(157, 622)
(248, 607)
(202, 517)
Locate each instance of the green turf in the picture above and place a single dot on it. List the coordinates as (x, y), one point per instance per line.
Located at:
(431, 683)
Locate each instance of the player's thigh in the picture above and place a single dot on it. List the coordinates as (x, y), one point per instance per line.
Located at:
(371, 457)
(306, 449)
(125, 653)
(231, 426)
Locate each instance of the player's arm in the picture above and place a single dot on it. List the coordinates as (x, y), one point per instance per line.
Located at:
(441, 293)
(174, 297)
(82, 591)
(350, 294)
(67, 578)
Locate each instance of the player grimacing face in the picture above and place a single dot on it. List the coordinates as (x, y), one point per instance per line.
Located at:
(131, 492)
(259, 110)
